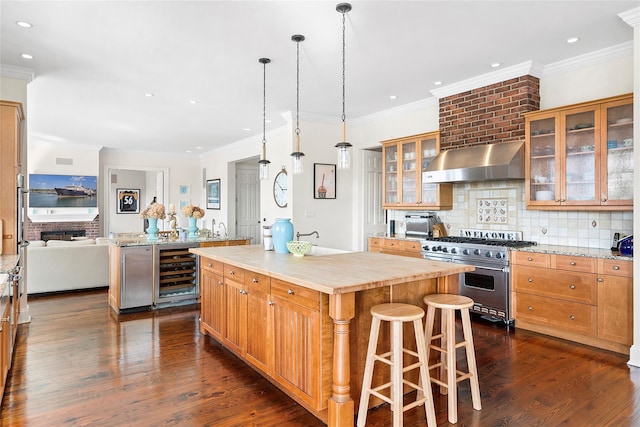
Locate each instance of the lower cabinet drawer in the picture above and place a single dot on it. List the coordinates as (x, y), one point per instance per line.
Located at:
(296, 294)
(552, 312)
(578, 287)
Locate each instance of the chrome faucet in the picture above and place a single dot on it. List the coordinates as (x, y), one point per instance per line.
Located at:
(298, 234)
(221, 224)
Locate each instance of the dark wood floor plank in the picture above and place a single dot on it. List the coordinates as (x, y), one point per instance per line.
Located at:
(77, 364)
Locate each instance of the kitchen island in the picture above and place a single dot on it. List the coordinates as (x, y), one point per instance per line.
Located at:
(303, 322)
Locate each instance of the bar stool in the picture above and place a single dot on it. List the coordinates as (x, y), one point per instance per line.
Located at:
(397, 314)
(449, 304)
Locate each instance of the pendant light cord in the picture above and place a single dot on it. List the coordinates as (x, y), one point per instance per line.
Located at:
(298, 89)
(344, 117)
(264, 103)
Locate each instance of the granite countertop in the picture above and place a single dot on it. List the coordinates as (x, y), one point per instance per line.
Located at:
(575, 251)
(143, 241)
(333, 274)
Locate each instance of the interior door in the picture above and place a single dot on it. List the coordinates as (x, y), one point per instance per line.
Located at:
(374, 221)
(248, 201)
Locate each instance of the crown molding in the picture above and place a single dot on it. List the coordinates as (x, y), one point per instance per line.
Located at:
(621, 50)
(419, 105)
(631, 17)
(532, 68)
(21, 73)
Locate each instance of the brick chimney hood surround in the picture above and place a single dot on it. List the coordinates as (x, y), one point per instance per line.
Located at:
(489, 114)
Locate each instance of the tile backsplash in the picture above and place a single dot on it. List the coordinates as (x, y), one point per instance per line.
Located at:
(571, 228)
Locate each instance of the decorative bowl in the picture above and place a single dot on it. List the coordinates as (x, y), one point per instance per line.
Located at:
(544, 195)
(298, 247)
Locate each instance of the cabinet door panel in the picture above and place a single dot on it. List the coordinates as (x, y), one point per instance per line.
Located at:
(615, 309)
(259, 344)
(618, 169)
(212, 303)
(568, 316)
(236, 325)
(296, 332)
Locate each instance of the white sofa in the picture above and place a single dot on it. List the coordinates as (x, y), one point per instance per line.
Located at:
(59, 265)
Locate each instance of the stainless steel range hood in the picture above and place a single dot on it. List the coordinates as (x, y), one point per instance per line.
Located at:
(491, 162)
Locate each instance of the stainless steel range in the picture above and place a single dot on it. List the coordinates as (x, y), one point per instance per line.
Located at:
(488, 285)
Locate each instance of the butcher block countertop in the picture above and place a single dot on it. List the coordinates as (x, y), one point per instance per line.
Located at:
(333, 274)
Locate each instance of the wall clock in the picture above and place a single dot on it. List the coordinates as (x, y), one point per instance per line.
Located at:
(280, 194)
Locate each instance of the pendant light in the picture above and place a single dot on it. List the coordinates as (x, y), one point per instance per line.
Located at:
(264, 163)
(344, 148)
(297, 155)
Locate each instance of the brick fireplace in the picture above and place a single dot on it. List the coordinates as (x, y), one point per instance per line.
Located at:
(488, 114)
(91, 229)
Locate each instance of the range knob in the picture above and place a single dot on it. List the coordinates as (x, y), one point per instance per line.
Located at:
(488, 254)
(476, 252)
(425, 247)
(499, 255)
(454, 251)
(444, 249)
(465, 252)
(434, 249)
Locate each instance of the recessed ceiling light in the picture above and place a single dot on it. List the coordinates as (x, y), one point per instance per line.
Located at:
(193, 101)
(267, 121)
(393, 97)
(23, 24)
(246, 130)
(572, 40)
(495, 65)
(27, 56)
(148, 95)
(438, 83)
(198, 148)
(189, 151)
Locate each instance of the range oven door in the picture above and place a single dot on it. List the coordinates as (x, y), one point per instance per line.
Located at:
(488, 287)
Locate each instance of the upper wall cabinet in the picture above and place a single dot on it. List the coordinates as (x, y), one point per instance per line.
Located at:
(405, 162)
(580, 157)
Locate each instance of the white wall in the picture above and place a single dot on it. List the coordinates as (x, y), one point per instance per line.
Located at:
(126, 179)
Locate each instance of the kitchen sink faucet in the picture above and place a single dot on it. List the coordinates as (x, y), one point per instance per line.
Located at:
(298, 234)
(220, 225)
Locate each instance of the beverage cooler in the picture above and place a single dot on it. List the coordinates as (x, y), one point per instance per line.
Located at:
(176, 274)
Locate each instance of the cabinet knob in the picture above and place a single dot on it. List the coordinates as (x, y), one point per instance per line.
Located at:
(529, 280)
(220, 282)
(290, 292)
(604, 199)
(271, 303)
(615, 267)
(255, 280)
(232, 272)
(572, 317)
(572, 263)
(599, 279)
(572, 286)
(530, 308)
(209, 265)
(529, 259)
(243, 292)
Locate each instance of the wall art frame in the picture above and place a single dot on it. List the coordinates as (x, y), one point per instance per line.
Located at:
(324, 181)
(128, 201)
(213, 194)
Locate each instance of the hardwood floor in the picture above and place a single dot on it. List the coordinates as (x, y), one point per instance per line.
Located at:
(76, 365)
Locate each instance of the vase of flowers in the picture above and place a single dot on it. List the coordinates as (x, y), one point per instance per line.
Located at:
(153, 213)
(193, 213)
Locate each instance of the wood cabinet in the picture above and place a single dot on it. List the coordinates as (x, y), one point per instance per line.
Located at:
(9, 310)
(404, 162)
(580, 157)
(11, 116)
(230, 242)
(404, 247)
(272, 324)
(584, 299)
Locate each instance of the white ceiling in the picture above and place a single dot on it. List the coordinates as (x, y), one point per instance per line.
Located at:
(95, 60)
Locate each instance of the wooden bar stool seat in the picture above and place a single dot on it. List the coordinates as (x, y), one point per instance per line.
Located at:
(397, 314)
(448, 304)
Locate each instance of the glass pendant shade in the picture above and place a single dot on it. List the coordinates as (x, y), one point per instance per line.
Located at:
(344, 155)
(298, 167)
(264, 169)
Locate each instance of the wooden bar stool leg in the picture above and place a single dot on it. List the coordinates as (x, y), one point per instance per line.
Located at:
(452, 398)
(443, 355)
(396, 373)
(368, 372)
(471, 359)
(425, 381)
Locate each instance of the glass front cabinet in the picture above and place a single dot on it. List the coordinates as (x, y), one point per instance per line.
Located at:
(405, 161)
(581, 156)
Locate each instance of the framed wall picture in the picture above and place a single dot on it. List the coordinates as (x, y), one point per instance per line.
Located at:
(324, 181)
(213, 193)
(128, 201)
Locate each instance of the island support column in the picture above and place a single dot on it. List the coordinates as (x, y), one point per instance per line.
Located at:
(341, 407)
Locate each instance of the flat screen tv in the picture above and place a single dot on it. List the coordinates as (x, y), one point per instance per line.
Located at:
(62, 191)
